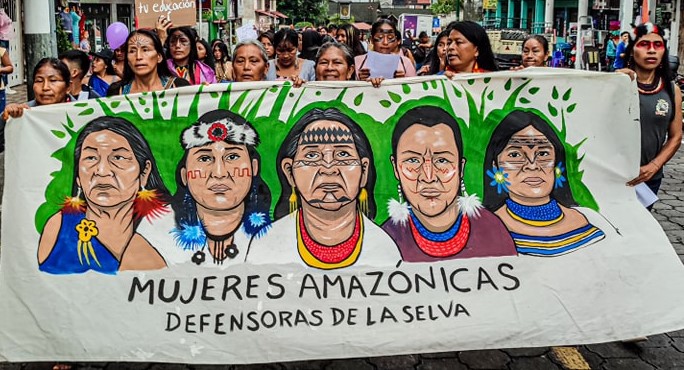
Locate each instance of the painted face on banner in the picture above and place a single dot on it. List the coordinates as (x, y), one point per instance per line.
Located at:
(179, 44)
(327, 169)
(219, 175)
(108, 172)
(428, 168)
(529, 160)
(142, 56)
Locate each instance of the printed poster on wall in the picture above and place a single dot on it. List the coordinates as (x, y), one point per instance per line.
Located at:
(243, 223)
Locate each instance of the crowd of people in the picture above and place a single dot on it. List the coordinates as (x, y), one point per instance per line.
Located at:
(167, 57)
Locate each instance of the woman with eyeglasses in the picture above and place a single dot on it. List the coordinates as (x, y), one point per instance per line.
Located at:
(287, 64)
(145, 69)
(659, 101)
(182, 59)
(385, 41)
(51, 80)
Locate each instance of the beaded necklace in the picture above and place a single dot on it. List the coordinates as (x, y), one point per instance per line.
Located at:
(444, 244)
(652, 88)
(544, 215)
(326, 257)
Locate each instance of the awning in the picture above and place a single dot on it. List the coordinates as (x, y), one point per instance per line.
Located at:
(263, 12)
(362, 26)
(274, 14)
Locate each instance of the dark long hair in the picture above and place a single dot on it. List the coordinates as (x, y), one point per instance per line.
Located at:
(478, 36)
(225, 56)
(353, 38)
(311, 41)
(433, 57)
(209, 58)
(288, 149)
(192, 58)
(512, 123)
(270, 36)
(259, 197)
(285, 35)
(135, 139)
(162, 68)
(663, 70)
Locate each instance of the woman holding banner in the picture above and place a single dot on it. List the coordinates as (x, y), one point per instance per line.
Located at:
(468, 49)
(116, 184)
(145, 69)
(51, 80)
(660, 103)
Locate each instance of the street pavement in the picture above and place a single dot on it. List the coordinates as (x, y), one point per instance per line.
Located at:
(664, 351)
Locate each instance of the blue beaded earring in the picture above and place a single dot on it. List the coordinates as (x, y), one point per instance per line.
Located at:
(498, 177)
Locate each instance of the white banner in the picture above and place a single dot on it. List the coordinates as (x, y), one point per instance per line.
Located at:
(257, 222)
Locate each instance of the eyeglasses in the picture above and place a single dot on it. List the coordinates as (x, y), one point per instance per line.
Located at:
(644, 44)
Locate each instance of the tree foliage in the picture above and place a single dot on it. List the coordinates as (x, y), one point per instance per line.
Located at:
(314, 11)
(63, 43)
(444, 6)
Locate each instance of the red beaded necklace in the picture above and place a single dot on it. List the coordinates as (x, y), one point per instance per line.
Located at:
(330, 254)
(446, 248)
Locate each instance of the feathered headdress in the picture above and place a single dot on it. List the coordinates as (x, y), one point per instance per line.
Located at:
(203, 133)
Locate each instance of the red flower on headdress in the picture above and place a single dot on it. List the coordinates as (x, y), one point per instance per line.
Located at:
(217, 132)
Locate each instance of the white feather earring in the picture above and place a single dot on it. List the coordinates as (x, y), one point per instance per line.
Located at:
(398, 209)
(469, 204)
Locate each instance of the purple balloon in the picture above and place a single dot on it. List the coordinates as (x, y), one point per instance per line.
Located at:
(117, 33)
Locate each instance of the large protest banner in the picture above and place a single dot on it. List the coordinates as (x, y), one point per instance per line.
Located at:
(259, 222)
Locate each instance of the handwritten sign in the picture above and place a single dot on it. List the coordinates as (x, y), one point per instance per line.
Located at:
(180, 12)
